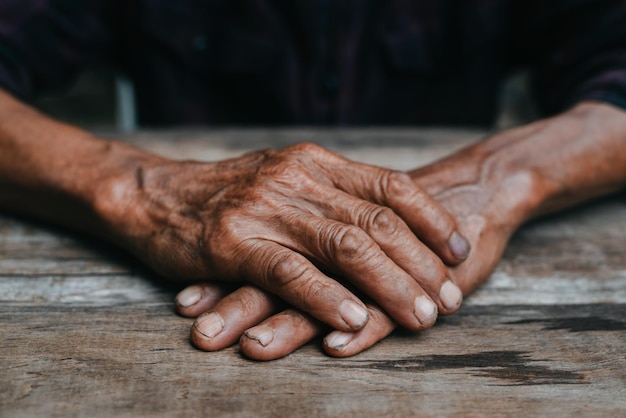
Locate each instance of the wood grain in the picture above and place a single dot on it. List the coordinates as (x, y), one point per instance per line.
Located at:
(87, 331)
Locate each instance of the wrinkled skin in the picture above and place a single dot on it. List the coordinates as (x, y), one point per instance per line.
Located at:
(321, 233)
(490, 189)
(477, 216)
(292, 221)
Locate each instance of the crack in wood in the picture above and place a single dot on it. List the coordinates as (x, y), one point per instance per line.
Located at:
(514, 366)
(576, 324)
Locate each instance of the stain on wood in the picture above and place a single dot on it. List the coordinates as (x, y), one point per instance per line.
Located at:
(584, 324)
(514, 366)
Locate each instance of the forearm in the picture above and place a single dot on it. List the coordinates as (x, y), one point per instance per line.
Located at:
(54, 171)
(541, 167)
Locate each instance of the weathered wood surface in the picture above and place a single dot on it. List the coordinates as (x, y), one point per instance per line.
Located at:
(86, 331)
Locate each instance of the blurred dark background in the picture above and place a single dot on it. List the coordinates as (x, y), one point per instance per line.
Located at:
(102, 101)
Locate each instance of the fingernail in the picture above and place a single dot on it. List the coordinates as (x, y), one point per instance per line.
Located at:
(353, 314)
(338, 339)
(209, 324)
(264, 334)
(450, 295)
(459, 245)
(425, 310)
(189, 296)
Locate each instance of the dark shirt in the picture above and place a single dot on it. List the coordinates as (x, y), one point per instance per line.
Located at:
(320, 61)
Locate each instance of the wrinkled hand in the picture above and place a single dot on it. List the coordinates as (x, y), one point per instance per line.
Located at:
(287, 221)
(487, 211)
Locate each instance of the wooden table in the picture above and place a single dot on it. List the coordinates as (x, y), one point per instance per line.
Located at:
(86, 331)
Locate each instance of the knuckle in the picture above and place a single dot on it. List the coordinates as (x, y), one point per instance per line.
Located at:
(308, 292)
(306, 148)
(262, 189)
(398, 183)
(310, 151)
(287, 171)
(384, 220)
(351, 243)
(284, 168)
(300, 167)
(285, 269)
(296, 281)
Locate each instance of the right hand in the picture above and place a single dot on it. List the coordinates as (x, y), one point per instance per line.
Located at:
(291, 222)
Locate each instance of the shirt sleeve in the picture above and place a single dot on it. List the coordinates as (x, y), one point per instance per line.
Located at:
(576, 50)
(45, 43)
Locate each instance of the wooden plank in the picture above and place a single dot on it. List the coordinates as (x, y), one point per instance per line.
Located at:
(136, 360)
(577, 257)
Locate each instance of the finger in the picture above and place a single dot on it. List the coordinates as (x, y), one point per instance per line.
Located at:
(345, 344)
(198, 298)
(231, 316)
(297, 281)
(279, 335)
(395, 239)
(489, 246)
(424, 215)
(351, 251)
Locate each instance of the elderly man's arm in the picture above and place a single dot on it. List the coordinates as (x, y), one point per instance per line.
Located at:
(491, 188)
(279, 219)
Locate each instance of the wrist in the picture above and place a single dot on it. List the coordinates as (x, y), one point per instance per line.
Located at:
(573, 157)
(519, 187)
(483, 180)
(115, 192)
(541, 167)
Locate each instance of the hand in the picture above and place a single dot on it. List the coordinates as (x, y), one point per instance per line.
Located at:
(279, 218)
(244, 310)
(488, 207)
